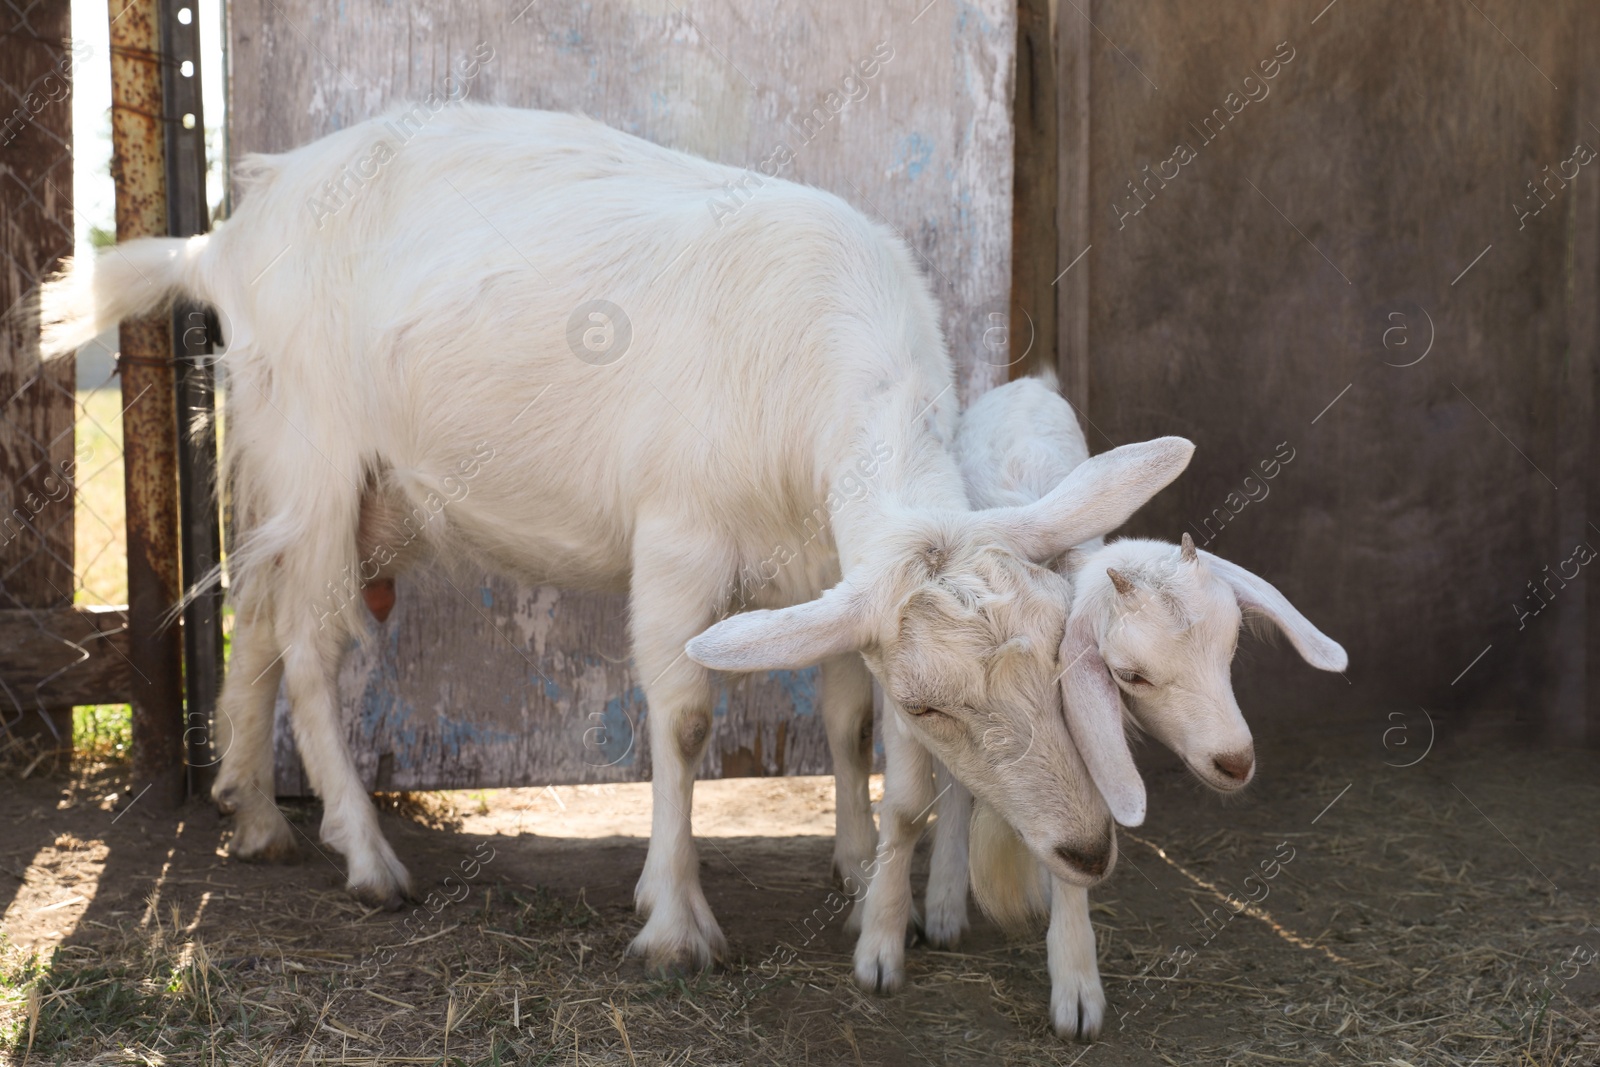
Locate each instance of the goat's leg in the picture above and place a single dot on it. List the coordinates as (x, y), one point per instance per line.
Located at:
(349, 822)
(947, 868)
(244, 785)
(672, 602)
(880, 957)
(847, 717)
(1077, 1002)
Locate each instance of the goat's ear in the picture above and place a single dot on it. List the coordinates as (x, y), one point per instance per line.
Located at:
(1093, 706)
(1097, 497)
(786, 639)
(1314, 646)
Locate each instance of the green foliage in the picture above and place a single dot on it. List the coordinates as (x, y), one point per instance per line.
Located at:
(102, 731)
(82, 1005)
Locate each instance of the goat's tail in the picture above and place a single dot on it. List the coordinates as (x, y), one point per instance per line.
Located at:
(132, 278)
(1009, 884)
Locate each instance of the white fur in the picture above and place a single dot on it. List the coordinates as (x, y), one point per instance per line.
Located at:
(947, 897)
(1178, 626)
(1077, 1002)
(783, 360)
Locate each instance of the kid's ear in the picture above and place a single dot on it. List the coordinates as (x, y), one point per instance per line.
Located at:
(1093, 706)
(1257, 594)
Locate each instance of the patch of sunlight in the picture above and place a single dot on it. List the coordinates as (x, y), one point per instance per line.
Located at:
(1242, 908)
(57, 888)
(100, 528)
(792, 806)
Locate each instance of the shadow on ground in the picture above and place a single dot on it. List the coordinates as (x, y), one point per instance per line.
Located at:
(1438, 913)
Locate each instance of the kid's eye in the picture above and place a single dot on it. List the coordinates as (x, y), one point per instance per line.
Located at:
(1133, 678)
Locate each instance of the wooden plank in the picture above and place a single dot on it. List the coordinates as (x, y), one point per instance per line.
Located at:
(65, 656)
(1074, 268)
(36, 401)
(904, 110)
(1276, 292)
(1035, 231)
(1579, 710)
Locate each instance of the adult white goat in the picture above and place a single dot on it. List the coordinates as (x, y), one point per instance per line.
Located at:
(1151, 634)
(533, 330)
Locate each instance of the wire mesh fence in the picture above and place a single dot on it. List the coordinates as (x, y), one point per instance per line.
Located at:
(63, 560)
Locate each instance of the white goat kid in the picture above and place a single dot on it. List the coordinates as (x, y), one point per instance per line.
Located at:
(435, 329)
(1151, 634)
(886, 910)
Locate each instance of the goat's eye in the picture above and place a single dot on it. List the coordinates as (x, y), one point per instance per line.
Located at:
(1133, 678)
(923, 711)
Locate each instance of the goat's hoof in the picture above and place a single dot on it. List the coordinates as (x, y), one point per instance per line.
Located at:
(942, 933)
(880, 977)
(391, 898)
(680, 941)
(274, 852)
(1079, 1012)
(880, 964)
(381, 882)
(683, 963)
(678, 961)
(262, 836)
(946, 922)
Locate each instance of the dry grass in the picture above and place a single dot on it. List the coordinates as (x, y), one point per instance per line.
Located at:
(1403, 931)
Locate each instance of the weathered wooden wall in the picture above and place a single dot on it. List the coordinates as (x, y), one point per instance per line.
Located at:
(493, 684)
(1357, 270)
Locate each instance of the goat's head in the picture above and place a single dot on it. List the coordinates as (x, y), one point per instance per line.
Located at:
(963, 626)
(1153, 628)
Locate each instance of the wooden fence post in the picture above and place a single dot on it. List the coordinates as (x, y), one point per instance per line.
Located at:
(36, 400)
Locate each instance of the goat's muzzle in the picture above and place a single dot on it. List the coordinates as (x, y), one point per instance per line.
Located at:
(1093, 863)
(1236, 765)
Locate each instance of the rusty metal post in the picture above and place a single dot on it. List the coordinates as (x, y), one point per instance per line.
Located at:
(149, 422)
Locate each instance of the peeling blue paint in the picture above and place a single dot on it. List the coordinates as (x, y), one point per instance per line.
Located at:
(612, 742)
(443, 727)
(416, 740)
(967, 14)
(800, 687)
(454, 734)
(913, 155)
(381, 710)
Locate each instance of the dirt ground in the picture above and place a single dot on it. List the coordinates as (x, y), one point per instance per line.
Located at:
(1442, 913)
